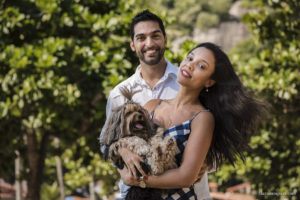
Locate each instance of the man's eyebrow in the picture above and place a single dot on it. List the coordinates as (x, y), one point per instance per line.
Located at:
(142, 34)
(156, 31)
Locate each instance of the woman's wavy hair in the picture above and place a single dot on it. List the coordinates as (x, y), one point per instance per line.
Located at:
(236, 113)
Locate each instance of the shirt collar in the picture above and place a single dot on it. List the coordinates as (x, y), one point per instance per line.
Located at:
(171, 70)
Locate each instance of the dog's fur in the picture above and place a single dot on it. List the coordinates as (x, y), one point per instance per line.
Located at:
(130, 126)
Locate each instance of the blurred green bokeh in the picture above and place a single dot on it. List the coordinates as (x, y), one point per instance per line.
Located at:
(59, 59)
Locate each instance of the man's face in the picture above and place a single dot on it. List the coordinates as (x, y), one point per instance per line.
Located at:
(148, 42)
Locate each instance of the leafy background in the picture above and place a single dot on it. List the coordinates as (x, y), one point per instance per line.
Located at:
(60, 58)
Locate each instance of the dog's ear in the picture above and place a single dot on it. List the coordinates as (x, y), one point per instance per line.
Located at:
(122, 123)
(113, 129)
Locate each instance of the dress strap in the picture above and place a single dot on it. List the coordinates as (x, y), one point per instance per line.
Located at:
(195, 115)
(152, 113)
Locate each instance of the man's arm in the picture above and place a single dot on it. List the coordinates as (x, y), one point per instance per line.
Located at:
(110, 105)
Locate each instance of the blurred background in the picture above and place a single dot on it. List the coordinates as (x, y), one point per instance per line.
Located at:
(59, 59)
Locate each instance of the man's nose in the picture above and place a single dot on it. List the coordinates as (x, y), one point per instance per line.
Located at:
(149, 42)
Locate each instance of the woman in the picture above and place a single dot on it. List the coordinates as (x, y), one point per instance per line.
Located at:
(211, 118)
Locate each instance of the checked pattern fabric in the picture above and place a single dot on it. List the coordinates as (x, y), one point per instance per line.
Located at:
(181, 133)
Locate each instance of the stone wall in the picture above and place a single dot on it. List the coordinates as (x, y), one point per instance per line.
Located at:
(226, 35)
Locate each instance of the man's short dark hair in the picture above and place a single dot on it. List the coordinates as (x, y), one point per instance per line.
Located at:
(146, 15)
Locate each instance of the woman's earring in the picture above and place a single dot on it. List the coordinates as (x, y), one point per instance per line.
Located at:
(206, 89)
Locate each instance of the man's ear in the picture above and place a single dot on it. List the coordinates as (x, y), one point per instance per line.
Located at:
(209, 83)
(132, 45)
(166, 40)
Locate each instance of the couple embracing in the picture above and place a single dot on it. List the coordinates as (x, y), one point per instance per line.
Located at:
(202, 104)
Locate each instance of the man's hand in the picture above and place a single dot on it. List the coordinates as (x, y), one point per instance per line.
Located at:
(132, 162)
(201, 172)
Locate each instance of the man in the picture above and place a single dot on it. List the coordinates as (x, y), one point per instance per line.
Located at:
(155, 77)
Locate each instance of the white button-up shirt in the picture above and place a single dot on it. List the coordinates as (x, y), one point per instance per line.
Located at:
(166, 88)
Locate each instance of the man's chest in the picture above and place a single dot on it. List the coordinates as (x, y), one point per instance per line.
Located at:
(144, 95)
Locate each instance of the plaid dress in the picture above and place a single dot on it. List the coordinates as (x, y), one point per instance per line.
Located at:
(181, 133)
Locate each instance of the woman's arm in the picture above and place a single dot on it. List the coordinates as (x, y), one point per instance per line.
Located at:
(194, 155)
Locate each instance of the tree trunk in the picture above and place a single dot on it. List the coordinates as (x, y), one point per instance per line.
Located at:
(92, 190)
(17, 177)
(60, 176)
(36, 157)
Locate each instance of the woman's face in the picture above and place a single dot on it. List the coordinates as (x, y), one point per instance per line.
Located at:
(196, 69)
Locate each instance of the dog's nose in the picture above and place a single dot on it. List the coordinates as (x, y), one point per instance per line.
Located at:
(140, 117)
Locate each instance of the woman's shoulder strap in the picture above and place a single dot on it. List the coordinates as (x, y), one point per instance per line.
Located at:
(195, 115)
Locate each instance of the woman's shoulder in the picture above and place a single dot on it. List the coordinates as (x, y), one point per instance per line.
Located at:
(203, 115)
(203, 124)
(150, 105)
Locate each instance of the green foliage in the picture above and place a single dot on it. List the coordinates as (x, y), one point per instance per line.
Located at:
(206, 20)
(220, 7)
(50, 191)
(59, 60)
(184, 16)
(269, 64)
(178, 56)
(81, 166)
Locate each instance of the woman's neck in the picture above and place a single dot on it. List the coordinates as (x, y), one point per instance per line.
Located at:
(186, 97)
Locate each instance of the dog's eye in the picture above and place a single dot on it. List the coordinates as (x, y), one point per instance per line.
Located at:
(128, 113)
(142, 113)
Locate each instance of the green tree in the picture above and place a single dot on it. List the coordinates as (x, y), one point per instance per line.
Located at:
(268, 63)
(184, 16)
(58, 61)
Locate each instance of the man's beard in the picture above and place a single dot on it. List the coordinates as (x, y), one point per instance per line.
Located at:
(152, 61)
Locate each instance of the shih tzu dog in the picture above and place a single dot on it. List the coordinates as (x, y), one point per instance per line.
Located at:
(130, 126)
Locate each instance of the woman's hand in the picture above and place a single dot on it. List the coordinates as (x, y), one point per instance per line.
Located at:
(132, 162)
(126, 176)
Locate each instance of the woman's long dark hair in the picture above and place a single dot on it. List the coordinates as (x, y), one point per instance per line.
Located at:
(236, 113)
